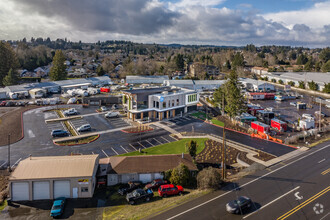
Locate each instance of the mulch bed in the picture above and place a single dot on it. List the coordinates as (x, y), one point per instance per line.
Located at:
(212, 154)
(242, 156)
(10, 123)
(263, 156)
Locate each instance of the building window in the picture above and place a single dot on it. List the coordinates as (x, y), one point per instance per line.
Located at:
(169, 103)
(192, 98)
(173, 103)
(157, 104)
(154, 104)
(84, 189)
(164, 104)
(177, 102)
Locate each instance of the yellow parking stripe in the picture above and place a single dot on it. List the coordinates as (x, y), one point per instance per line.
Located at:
(295, 209)
(326, 171)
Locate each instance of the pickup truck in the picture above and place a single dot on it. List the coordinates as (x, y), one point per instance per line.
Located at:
(139, 195)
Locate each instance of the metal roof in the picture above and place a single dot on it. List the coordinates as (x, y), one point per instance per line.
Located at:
(55, 167)
(146, 79)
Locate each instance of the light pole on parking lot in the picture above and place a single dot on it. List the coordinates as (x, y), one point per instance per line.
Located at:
(9, 169)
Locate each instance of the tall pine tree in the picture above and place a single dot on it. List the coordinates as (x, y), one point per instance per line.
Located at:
(58, 70)
(8, 60)
(11, 79)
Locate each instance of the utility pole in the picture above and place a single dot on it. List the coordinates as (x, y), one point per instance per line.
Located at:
(223, 105)
(223, 155)
(9, 169)
(320, 115)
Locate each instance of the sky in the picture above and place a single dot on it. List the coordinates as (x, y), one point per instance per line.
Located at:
(203, 22)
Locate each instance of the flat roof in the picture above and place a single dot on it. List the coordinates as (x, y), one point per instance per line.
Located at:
(148, 90)
(55, 167)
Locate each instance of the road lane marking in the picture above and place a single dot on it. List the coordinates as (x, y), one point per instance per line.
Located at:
(248, 183)
(114, 151)
(105, 153)
(124, 149)
(173, 138)
(166, 140)
(132, 146)
(158, 141)
(150, 143)
(271, 202)
(16, 162)
(326, 171)
(3, 164)
(141, 145)
(321, 161)
(325, 216)
(298, 207)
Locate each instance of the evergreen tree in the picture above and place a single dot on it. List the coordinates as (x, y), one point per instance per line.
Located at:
(313, 86)
(11, 79)
(179, 61)
(326, 67)
(100, 71)
(8, 60)
(309, 65)
(326, 88)
(238, 61)
(301, 85)
(325, 54)
(58, 70)
(302, 59)
(191, 147)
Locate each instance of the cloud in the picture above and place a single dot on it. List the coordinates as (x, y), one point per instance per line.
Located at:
(186, 22)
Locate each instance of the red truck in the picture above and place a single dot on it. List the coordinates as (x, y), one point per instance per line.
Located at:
(104, 89)
(279, 125)
(260, 127)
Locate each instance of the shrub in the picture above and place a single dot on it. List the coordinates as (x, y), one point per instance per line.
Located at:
(191, 147)
(180, 175)
(280, 81)
(209, 178)
(291, 83)
(274, 80)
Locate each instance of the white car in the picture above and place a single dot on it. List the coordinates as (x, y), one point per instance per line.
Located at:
(71, 111)
(86, 127)
(308, 116)
(111, 114)
(104, 109)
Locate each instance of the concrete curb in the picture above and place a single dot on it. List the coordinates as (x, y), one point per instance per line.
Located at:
(241, 162)
(129, 132)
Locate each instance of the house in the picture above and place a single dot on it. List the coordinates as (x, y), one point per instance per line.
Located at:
(199, 69)
(143, 168)
(40, 72)
(259, 70)
(158, 103)
(39, 178)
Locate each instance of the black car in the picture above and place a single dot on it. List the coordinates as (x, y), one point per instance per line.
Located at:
(59, 133)
(132, 185)
(139, 195)
(238, 206)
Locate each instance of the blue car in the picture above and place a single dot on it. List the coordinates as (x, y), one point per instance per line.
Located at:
(58, 207)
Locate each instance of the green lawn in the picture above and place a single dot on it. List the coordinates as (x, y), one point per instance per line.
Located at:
(176, 147)
(217, 122)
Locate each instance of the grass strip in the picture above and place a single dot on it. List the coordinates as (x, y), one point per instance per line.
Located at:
(3, 205)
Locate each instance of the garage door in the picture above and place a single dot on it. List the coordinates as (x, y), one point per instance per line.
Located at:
(20, 191)
(41, 190)
(146, 177)
(62, 189)
(158, 176)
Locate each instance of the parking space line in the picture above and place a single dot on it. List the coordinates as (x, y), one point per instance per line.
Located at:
(132, 146)
(105, 153)
(16, 162)
(149, 143)
(124, 149)
(157, 141)
(173, 138)
(166, 140)
(141, 145)
(114, 151)
(3, 164)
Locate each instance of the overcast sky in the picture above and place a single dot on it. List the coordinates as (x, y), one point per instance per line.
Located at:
(217, 22)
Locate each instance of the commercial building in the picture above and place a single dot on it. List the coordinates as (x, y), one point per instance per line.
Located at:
(146, 79)
(142, 168)
(38, 178)
(159, 103)
(256, 85)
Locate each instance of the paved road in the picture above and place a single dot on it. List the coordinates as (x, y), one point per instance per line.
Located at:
(296, 189)
(202, 127)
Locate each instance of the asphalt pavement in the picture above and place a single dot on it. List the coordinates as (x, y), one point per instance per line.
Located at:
(294, 189)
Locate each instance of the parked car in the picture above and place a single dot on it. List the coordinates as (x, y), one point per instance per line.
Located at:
(139, 195)
(308, 116)
(104, 109)
(10, 103)
(132, 185)
(3, 103)
(317, 113)
(59, 133)
(170, 189)
(293, 103)
(86, 127)
(155, 184)
(111, 114)
(71, 111)
(238, 206)
(58, 207)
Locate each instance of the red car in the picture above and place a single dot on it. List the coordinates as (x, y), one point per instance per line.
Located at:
(169, 189)
(155, 184)
(3, 103)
